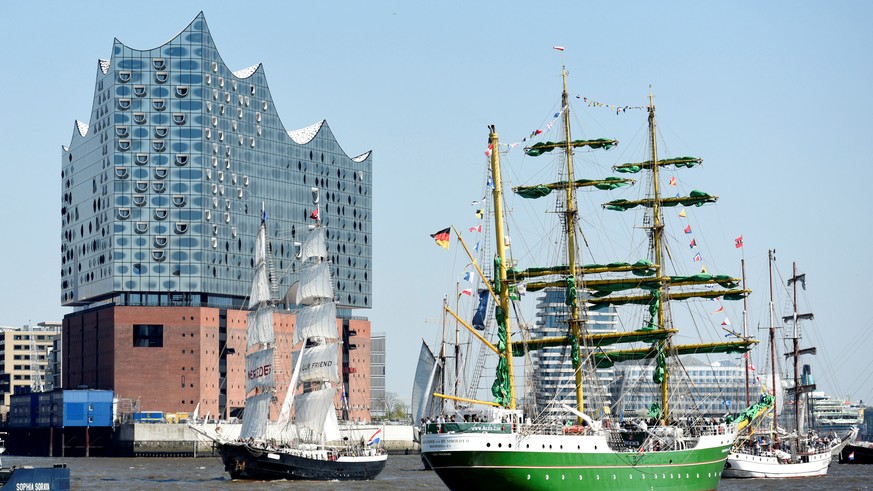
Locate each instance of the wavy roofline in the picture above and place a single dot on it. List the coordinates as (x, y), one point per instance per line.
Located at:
(305, 135)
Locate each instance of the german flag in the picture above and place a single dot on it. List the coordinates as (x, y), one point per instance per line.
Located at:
(442, 238)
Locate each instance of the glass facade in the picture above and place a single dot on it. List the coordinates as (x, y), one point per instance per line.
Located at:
(162, 191)
(377, 375)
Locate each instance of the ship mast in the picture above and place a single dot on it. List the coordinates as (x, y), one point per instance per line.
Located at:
(771, 256)
(500, 269)
(797, 388)
(657, 231)
(570, 218)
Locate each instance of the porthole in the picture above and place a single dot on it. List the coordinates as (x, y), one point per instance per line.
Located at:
(124, 104)
(161, 172)
(181, 159)
(179, 118)
(179, 200)
(159, 64)
(139, 90)
(141, 227)
(139, 118)
(181, 228)
(158, 255)
(121, 131)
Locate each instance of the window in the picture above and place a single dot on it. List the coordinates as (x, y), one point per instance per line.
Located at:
(160, 241)
(181, 159)
(124, 76)
(122, 213)
(161, 172)
(124, 104)
(181, 228)
(161, 213)
(158, 255)
(159, 187)
(139, 118)
(139, 90)
(124, 145)
(121, 172)
(161, 77)
(159, 64)
(121, 131)
(148, 336)
(181, 91)
(141, 227)
(179, 200)
(139, 200)
(179, 118)
(142, 158)
(141, 186)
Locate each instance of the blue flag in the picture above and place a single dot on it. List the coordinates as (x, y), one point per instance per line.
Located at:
(481, 311)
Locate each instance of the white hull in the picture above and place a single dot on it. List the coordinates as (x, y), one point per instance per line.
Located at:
(743, 465)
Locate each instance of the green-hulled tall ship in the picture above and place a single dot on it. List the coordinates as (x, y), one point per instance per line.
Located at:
(507, 448)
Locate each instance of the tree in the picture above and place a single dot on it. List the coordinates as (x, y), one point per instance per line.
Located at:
(394, 407)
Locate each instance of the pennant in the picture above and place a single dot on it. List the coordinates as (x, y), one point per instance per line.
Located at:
(442, 238)
(726, 322)
(476, 229)
(475, 247)
(490, 183)
(489, 150)
(738, 242)
(314, 214)
(672, 181)
(682, 213)
(468, 275)
(479, 202)
(697, 257)
(480, 213)
(478, 322)
(559, 48)
(704, 271)
(720, 309)
(751, 367)
(693, 244)
(688, 229)
(376, 437)
(467, 291)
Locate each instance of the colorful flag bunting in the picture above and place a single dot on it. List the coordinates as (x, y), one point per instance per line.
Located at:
(720, 309)
(314, 214)
(738, 242)
(693, 244)
(468, 275)
(442, 238)
(672, 181)
(697, 257)
(476, 247)
(467, 291)
(682, 213)
(726, 322)
(704, 271)
(488, 150)
(476, 229)
(688, 229)
(480, 213)
(559, 48)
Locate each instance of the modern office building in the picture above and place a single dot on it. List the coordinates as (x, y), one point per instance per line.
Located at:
(553, 374)
(163, 190)
(24, 353)
(377, 375)
(708, 389)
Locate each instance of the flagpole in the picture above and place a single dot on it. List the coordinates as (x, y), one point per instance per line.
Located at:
(745, 331)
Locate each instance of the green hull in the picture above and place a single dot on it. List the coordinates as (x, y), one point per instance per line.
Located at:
(530, 470)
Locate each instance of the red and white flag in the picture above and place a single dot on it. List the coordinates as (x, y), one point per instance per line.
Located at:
(559, 48)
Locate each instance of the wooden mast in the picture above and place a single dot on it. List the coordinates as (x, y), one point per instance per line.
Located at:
(746, 332)
(657, 231)
(771, 257)
(797, 387)
(503, 297)
(570, 218)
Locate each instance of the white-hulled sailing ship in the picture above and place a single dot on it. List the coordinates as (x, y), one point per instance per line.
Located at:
(771, 452)
(313, 447)
(504, 448)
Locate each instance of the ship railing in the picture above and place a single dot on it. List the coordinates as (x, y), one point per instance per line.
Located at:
(468, 427)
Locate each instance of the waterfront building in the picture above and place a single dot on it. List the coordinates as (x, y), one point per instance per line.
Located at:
(553, 374)
(24, 353)
(377, 375)
(711, 390)
(162, 193)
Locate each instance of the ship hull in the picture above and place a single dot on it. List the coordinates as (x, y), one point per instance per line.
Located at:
(516, 462)
(856, 454)
(742, 465)
(55, 478)
(246, 462)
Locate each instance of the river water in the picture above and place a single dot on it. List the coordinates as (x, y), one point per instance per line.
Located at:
(403, 472)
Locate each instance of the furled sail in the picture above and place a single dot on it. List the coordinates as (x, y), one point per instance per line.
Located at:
(320, 364)
(312, 408)
(314, 284)
(260, 327)
(257, 412)
(261, 284)
(259, 369)
(314, 245)
(316, 321)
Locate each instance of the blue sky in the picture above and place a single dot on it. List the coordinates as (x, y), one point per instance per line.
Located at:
(776, 97)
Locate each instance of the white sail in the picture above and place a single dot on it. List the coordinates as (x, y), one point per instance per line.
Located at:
(261, 284)
(256, 414)
(331, 427)
(285, 412)
(314, 245)
(320, 364)
(259, 369)
(260, 327)
(426, 375)
(311, 412)
(315, 284)
(316, 321)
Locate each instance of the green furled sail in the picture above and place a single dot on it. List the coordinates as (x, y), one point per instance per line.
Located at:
(633, 168)
(540, 190)
(694, 198)
(544, 147)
